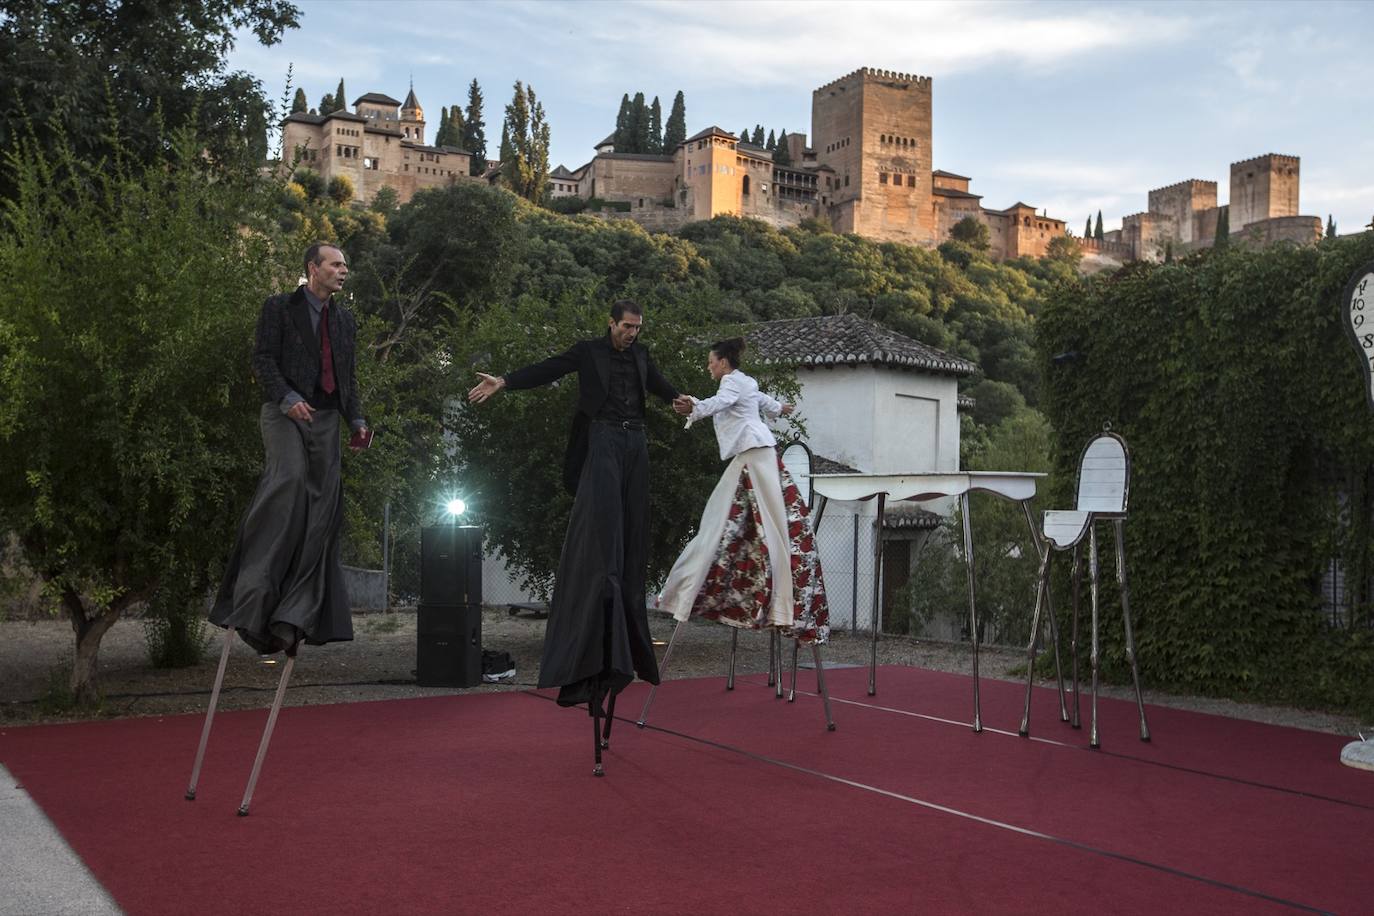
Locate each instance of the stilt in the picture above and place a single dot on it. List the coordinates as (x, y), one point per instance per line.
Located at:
(610, 717)
(821, 688)
(210, 714)
(595, 710)
(734, 645)
(267, 735)
(792, 694)
(1024, 730)
(775, 644)
(667, 654)
(1126, 618)
(772, 658)
(1093, 656)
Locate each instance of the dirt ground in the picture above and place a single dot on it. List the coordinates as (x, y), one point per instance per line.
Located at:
(35, 656)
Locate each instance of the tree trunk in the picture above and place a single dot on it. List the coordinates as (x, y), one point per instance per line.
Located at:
(89, 631)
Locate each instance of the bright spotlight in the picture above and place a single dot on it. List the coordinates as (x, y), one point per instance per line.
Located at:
(456, 507)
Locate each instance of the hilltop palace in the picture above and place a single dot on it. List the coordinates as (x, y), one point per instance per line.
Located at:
(868, 171)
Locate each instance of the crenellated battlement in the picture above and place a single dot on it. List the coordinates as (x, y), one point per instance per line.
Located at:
(1268, 157)
(873, 73)
(1188, 184)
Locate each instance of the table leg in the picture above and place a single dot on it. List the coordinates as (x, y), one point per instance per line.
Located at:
(972, 607)
(877, 595)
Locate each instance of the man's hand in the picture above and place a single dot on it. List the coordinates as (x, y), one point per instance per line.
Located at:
(488, 386)
(684, 403)
(360, 436)
(302, 411)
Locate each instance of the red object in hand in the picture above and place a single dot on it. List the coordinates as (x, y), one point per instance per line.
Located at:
(362, 438)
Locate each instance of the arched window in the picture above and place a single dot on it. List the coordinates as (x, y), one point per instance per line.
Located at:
(746, 185)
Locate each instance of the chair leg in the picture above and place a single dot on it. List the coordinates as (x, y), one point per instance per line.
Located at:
(210, 714)
(610, 717)
(734, 645)
(1093, 654)
(972, 607)
(1076, 585)
(1034, 636)
(662, 669)
(1126, 619)
(792, 694)
(267, 735)
(820, 686)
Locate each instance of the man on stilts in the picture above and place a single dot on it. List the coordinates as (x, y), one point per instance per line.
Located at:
(598, 639)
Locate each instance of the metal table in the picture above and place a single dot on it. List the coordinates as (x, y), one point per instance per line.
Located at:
(1015, 485)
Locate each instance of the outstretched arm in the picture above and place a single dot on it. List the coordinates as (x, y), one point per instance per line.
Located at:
(488, 386)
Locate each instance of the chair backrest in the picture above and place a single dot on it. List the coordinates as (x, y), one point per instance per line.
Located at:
(1104, 475)
(797, 459)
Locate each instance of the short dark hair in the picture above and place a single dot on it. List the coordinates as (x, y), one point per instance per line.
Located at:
(729, 350)
(312, 255)
(621, 306)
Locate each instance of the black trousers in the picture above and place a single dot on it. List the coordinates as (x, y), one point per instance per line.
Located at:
(597, 638)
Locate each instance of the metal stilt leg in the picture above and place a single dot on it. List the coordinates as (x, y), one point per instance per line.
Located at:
(596, 732)
(267, 735)
(662, 669)
(210, 714)
(773, 673)
(1126, 618)
(775, 646)
(792, 694)
(1093, 656)
(610, 717)
(972, 608)
(1076, 584)
(734, 646)
(1034, 636)
(820, 686)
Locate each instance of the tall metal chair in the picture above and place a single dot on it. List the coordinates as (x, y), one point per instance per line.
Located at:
(1104, 476)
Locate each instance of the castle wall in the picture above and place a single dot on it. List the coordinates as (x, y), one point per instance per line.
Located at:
(1299, 229)
(1180, 201)
(631, 180)
(1147, 235)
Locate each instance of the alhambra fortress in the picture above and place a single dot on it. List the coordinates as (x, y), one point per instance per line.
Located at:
(867, 170)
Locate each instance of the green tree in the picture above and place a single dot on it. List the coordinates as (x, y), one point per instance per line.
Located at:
(771, 143)
(340, 99)
(457, 128)
(1064, 248)
(744, 136)
(1223, 236)
(527, 174)
(311, 182)
(638, 129)
(341, 189)
(675, 131)
(1088, 228)
(622, 138)
(112, 485)
(1330, 227)
(1097, 232)
(441, 134)
(782, 156)
(298, 102)
(327, 105)
(507, 151)
(972, 232)
(385, 201)
(757, 138)
(474, 130)
(655, 127)
(67, 64)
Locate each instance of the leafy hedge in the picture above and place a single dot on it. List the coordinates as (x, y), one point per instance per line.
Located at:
(1230, 376)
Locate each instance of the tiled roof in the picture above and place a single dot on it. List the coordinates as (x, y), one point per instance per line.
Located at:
(411, 101)
(609, 141)
(848, 340)
(904, 515)
(941, 173)
(376, 97)
(952, 192)
(304, 117)
(644, 157)
(711, 131)
(560, 172)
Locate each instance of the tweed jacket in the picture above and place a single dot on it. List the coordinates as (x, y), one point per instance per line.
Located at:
(286, 351)
(591, 360)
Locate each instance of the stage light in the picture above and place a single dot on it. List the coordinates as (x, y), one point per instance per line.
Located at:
(455, 507)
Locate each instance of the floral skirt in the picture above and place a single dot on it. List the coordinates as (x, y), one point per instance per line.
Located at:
(755, 524)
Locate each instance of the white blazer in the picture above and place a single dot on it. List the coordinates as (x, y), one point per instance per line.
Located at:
(735, 410)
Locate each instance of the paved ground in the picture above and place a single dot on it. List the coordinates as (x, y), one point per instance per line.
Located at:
(41, 876)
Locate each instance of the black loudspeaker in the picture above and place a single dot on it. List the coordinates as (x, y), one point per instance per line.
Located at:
(451, 565)
(448, 650)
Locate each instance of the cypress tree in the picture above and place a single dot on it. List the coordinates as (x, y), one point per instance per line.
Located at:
(639, 125)
(675, 131)
(1223, 237)
(326, 104)
(474, 130)
(771, 143)
(757, 139)
(655, 127)
(1088, 227)
(1330, 227)
(744, 136)
(1097, 233)
(456, 128)
(506, 153)
(781, 155)
(441, 135)
(299, 103)
(340, 99)
(621, 138)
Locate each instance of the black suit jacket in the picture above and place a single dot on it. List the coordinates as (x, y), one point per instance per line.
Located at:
(286, 351)
(591, 360)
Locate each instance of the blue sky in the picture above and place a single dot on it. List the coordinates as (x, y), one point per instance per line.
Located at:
(1073, 107)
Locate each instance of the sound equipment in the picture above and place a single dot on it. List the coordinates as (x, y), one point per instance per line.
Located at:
(448, 632)
(448, 645)
(451, 564)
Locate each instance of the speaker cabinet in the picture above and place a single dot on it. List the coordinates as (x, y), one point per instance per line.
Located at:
(448, 650)
(451, 565)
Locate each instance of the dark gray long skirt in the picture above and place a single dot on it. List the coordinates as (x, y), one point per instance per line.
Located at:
(284, 581)
(597, 638)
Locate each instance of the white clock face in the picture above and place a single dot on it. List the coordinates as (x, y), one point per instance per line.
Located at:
(1359, 321)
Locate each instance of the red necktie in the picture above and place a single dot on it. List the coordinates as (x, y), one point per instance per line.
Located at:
(326, 353)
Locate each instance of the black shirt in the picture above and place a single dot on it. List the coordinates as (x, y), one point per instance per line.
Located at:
(626, 393)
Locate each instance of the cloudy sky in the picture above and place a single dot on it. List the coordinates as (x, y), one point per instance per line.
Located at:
(1073, 107)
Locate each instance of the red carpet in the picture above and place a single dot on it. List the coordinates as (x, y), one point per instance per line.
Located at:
(486, 803)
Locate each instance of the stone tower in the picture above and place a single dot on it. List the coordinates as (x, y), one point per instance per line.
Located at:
(1263, 188)
(412, 118)
(873, 127)
(1182, 202)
